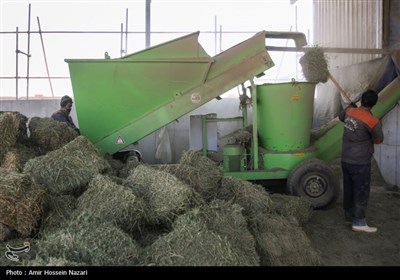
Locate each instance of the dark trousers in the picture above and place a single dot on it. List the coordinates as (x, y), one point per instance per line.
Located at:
(356, 187)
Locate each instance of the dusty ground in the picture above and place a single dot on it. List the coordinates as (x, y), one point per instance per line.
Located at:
(339, 246)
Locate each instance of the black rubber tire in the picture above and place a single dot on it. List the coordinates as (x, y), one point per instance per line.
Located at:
(315, 180)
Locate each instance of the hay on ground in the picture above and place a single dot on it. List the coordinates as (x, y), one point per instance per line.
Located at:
(69, 169)
(201, 182)
(114, 203)
(282, 243)
(253, 198)
(192, 244)
(21, 202)
(50, 135)
(165, 195)
(15, 159)
(88, 240)
(315, 65)
(291, 207)
(57, 212)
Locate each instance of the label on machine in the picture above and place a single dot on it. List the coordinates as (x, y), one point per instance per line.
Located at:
(119, 140)
(195, 97)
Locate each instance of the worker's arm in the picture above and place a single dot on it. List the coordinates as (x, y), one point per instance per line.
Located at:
(377, 133)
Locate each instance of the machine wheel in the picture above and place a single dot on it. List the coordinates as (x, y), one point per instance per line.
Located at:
(314, 180)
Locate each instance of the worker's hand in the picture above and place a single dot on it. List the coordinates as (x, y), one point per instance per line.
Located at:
(352, 104)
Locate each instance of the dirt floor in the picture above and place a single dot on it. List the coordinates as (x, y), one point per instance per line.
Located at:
(339, 246)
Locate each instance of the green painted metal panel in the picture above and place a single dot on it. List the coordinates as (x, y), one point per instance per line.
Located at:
(260, 175)
(287, 160)
(285, 113)
(120, 101)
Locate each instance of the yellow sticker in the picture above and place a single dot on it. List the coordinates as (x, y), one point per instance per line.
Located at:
(299, 154)
(295, 97)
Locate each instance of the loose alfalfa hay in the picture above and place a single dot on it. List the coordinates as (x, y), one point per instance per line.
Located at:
(112, 202)
(49, 135)
(15, 159)
(4, 232)
(57, 212)
(165, 195)
(241, 136)
(9, 126)
(227, 220)
(87, 239)
(21, 202)
(205, 165)
(190, 243)
(290, 207)
(199, 181)
(20, 122)
(68, 169)
(51, 262)
(253, 198)
(282, 243)
(315, 65)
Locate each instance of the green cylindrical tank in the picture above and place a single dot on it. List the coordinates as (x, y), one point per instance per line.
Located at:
(284, 113)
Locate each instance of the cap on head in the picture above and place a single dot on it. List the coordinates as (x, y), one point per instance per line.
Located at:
(65, 100)
(369, 98)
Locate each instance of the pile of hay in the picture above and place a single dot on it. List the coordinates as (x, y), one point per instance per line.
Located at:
(68, 169)
(88, 240)
(50, 135)
(20, 121)
(21, 202)
(282, 243)
(190, 243)
(57, 212)
(315, 65)
(227, 220)
(253, 198)
(199, 181)
(9, 126)
(241, 136)
(4, 232)
(165, 195)
(114, 203)
(203, 164)
(15, 159)
(293, 207)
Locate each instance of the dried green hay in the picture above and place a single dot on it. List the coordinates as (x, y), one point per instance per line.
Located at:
(4, 232)
(51, 262)
(87, 239)
(291, 207)
(20, 122)
(192, 244)
(112, 202)
(21, 202)
(57, 212)
(227, 220)
(15, 159)
(205, 165)
(314, 65)
(202, 183)
(69, 169)
(127, 168)
(50, 135)
(241, 136)
(9, 125)
(23, 257)
(253, 198)
(165, 195)
(280, 242)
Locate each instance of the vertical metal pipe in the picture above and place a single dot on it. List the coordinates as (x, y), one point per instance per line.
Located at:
(16, 64)
(122, 38)
(255, 124)
(126, 32)
(29, 52)
(215, 34)
(148, 12)
(220, 38)
(45, 58)
(204, 135)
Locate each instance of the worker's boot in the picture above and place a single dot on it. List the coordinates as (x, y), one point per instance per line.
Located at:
(365, 228)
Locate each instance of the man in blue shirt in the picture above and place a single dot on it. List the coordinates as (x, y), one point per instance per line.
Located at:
(63, 114)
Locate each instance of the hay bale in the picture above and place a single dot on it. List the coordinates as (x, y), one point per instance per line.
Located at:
(69, 169)
(9, 125)
(20, 122)
(204, 165)
(50, 135)
(165, 195)
(202, 183)
(114, 203)
(280, 242)
(315, 65)
(227, 220)
(15, 159)
(253, 198)
(21, 202)
(51, 262)
(57, 212)
(4, 232)
(91, 241)
(292, 207)
(128, 167)
(192, 244)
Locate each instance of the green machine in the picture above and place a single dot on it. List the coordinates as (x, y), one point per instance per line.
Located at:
(120, 101)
